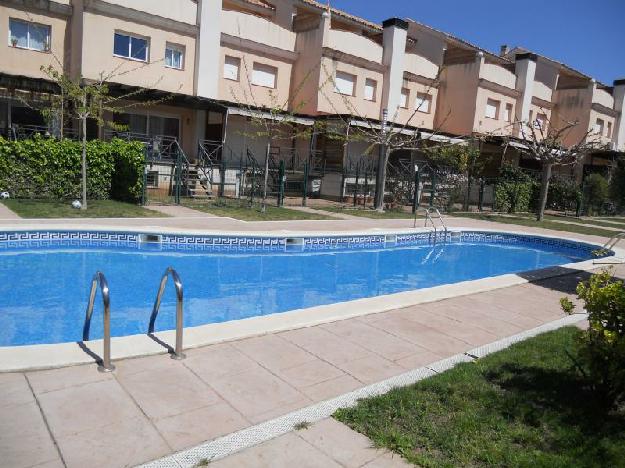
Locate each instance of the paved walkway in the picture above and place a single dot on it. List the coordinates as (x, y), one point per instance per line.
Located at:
(326, 444)
(6, 213)
(152, 406)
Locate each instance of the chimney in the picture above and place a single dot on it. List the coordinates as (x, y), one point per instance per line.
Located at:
(394, 43)
(618, 134)
(503, 50)
(525, 71)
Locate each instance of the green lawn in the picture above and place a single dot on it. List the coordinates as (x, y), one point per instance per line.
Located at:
(239, 209)
(521, 220)
(63, 209)
(524, 406)
(367, 212)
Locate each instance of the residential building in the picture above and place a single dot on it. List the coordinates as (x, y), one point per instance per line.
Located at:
(213, 72)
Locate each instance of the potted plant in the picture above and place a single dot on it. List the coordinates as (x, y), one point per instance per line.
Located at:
(14, 41)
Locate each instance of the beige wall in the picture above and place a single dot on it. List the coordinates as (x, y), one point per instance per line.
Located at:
(184, 11)
(419, 65)
(498, 126)
(601, 139)
(601, 96)
(256, 29)
(412, 116)
(455, 112)
(498, 74)
(354, 44)
(542, 91)
(330, 102)
(243, 92)
(572, 105)
(26, 62)
(97, 55)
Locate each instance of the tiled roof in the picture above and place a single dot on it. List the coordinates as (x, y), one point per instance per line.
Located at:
(571, 70)
(261, 3)
(344, 14)
(463, 42)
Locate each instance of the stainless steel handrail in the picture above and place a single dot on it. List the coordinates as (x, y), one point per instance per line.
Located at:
(177, 354)
(615, 239)
(99, 279)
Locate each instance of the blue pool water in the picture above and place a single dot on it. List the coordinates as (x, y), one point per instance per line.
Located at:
(44, 286)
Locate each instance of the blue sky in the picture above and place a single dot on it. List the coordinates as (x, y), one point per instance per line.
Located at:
(588, 35)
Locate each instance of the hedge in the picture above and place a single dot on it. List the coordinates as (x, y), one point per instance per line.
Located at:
(51, 169)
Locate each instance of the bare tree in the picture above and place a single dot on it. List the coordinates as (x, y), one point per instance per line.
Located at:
(91, 99)
(546, 143)
(276, 120)
(387, 136)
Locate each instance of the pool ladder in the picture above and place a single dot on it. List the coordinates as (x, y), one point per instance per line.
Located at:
(99, 279)
(430, 219)
(615, 239)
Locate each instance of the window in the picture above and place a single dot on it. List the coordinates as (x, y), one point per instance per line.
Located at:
(540, 122)
(492, 109)
(174, 56)
(507, 114)
(609, 134)
(130, 47)
(26, 35)
(344, 83)
(370, 89)
(599, 126)
(423, 103)
(404, 98)
(264, 75)
(232, 65)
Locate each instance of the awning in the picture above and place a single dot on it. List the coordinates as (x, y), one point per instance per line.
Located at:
(259, 114)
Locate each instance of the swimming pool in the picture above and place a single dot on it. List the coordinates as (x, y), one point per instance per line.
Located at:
(45, 275)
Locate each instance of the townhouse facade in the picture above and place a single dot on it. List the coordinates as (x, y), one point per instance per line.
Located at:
(218, 64)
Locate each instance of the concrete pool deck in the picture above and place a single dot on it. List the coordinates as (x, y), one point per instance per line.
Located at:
(153, 406)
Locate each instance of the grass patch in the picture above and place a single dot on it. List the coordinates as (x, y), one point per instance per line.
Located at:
(531, 222)
(239, 209)
(524, 406)
(63, 209)
(367, 212)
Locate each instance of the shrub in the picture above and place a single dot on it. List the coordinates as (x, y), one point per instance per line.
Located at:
(595, 193)
(564, 194)
(49, 168)
(602, 345)
(617, 185)
(514, 190)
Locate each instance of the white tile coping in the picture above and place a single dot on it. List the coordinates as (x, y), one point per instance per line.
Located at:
(46, 356)
(254, 435)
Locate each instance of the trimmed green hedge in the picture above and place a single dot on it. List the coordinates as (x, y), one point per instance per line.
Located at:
(51, 169)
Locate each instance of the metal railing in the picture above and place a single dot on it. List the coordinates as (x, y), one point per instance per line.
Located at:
(430, 219)
(613, 241)
(100, 280)
(177, 353)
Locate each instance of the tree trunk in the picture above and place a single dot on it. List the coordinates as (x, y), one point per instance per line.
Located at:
(465, 205)
(544, 190)
(263, 207)
(380, 182)
(84, 162)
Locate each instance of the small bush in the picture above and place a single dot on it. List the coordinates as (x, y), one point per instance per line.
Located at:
(564, 194)
(602, 345)
(617, 185)
(514, 190)
(595, 194)
(47, 168)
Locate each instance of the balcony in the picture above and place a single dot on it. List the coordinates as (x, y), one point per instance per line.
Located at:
(414, 63)
(354, 44)
(603, 98)
(542, 91)
(256, 29)
(498, 74)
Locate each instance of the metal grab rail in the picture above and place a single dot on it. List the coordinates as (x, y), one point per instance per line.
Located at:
(615, 239)
(99, 279)
(177, 354)
(428, 217)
